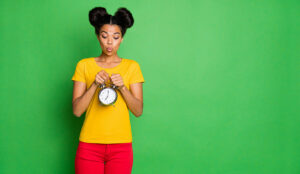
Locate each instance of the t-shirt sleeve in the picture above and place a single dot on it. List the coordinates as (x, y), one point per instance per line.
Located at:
(79, 74)
(136, 75)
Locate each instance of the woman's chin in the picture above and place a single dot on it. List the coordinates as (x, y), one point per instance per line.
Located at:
(108, 52)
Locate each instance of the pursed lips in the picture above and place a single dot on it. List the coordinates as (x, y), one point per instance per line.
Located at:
(109, 48)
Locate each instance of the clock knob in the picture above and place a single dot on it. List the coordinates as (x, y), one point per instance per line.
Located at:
(102, 85)
(114, 86)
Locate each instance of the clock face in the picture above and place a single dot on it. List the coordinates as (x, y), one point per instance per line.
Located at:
(107, 96)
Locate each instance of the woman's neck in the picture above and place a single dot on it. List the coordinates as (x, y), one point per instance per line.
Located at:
(108, 58)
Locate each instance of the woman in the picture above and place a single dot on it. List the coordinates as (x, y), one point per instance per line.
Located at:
(105, 141)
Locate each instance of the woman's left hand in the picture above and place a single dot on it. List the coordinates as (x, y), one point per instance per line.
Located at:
(117, 80)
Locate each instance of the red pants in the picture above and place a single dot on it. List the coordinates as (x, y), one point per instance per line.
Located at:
(92, 158)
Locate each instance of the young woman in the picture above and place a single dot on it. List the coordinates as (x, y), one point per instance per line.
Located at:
(105, 141)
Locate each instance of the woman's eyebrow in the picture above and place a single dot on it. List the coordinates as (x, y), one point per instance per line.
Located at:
(106, 32)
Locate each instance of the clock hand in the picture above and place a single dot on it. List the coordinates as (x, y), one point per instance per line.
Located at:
(107, 95)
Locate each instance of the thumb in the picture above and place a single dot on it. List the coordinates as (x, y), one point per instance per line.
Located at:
(110, 77)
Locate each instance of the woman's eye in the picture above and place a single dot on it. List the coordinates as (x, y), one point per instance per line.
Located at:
(114, 37)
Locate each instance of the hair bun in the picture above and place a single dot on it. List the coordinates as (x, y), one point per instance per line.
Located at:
(96, 15)
(124, 17)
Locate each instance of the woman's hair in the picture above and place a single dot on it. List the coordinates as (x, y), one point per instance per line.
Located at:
(123, 18)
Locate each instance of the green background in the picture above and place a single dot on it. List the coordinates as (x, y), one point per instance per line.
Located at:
(221, 91)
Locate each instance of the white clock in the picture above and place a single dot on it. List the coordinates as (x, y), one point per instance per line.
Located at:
(107, 95)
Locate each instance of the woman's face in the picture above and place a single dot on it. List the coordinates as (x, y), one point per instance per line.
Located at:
(110, 38)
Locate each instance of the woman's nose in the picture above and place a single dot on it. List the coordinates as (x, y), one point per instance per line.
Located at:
(109, 40)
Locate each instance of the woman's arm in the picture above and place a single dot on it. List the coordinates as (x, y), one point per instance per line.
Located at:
(82, 97)
(134, 98)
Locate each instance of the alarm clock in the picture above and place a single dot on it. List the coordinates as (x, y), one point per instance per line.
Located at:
(107, 95)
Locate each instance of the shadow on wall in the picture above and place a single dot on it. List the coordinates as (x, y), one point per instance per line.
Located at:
(67, 126)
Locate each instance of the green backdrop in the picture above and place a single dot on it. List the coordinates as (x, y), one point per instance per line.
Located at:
(221, 91)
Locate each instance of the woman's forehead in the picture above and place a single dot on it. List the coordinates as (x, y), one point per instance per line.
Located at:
(110, 29)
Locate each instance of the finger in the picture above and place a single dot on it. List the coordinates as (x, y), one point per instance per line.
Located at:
(103, 76)
(116, 76)
(101, 80)
(107, 76)
(113, 75)
(118, 82)
(118, 79)
(105, 73)
(97, 77)
(98, 80)
(101, 72)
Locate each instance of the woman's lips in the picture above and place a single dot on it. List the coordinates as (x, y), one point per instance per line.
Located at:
(109, 49)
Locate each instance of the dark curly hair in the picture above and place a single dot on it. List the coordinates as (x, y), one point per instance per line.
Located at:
(122, 17)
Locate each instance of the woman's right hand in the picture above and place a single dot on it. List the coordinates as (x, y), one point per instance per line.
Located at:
(101, 77)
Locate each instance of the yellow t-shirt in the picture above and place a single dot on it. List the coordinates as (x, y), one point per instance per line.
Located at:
(107, 124)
